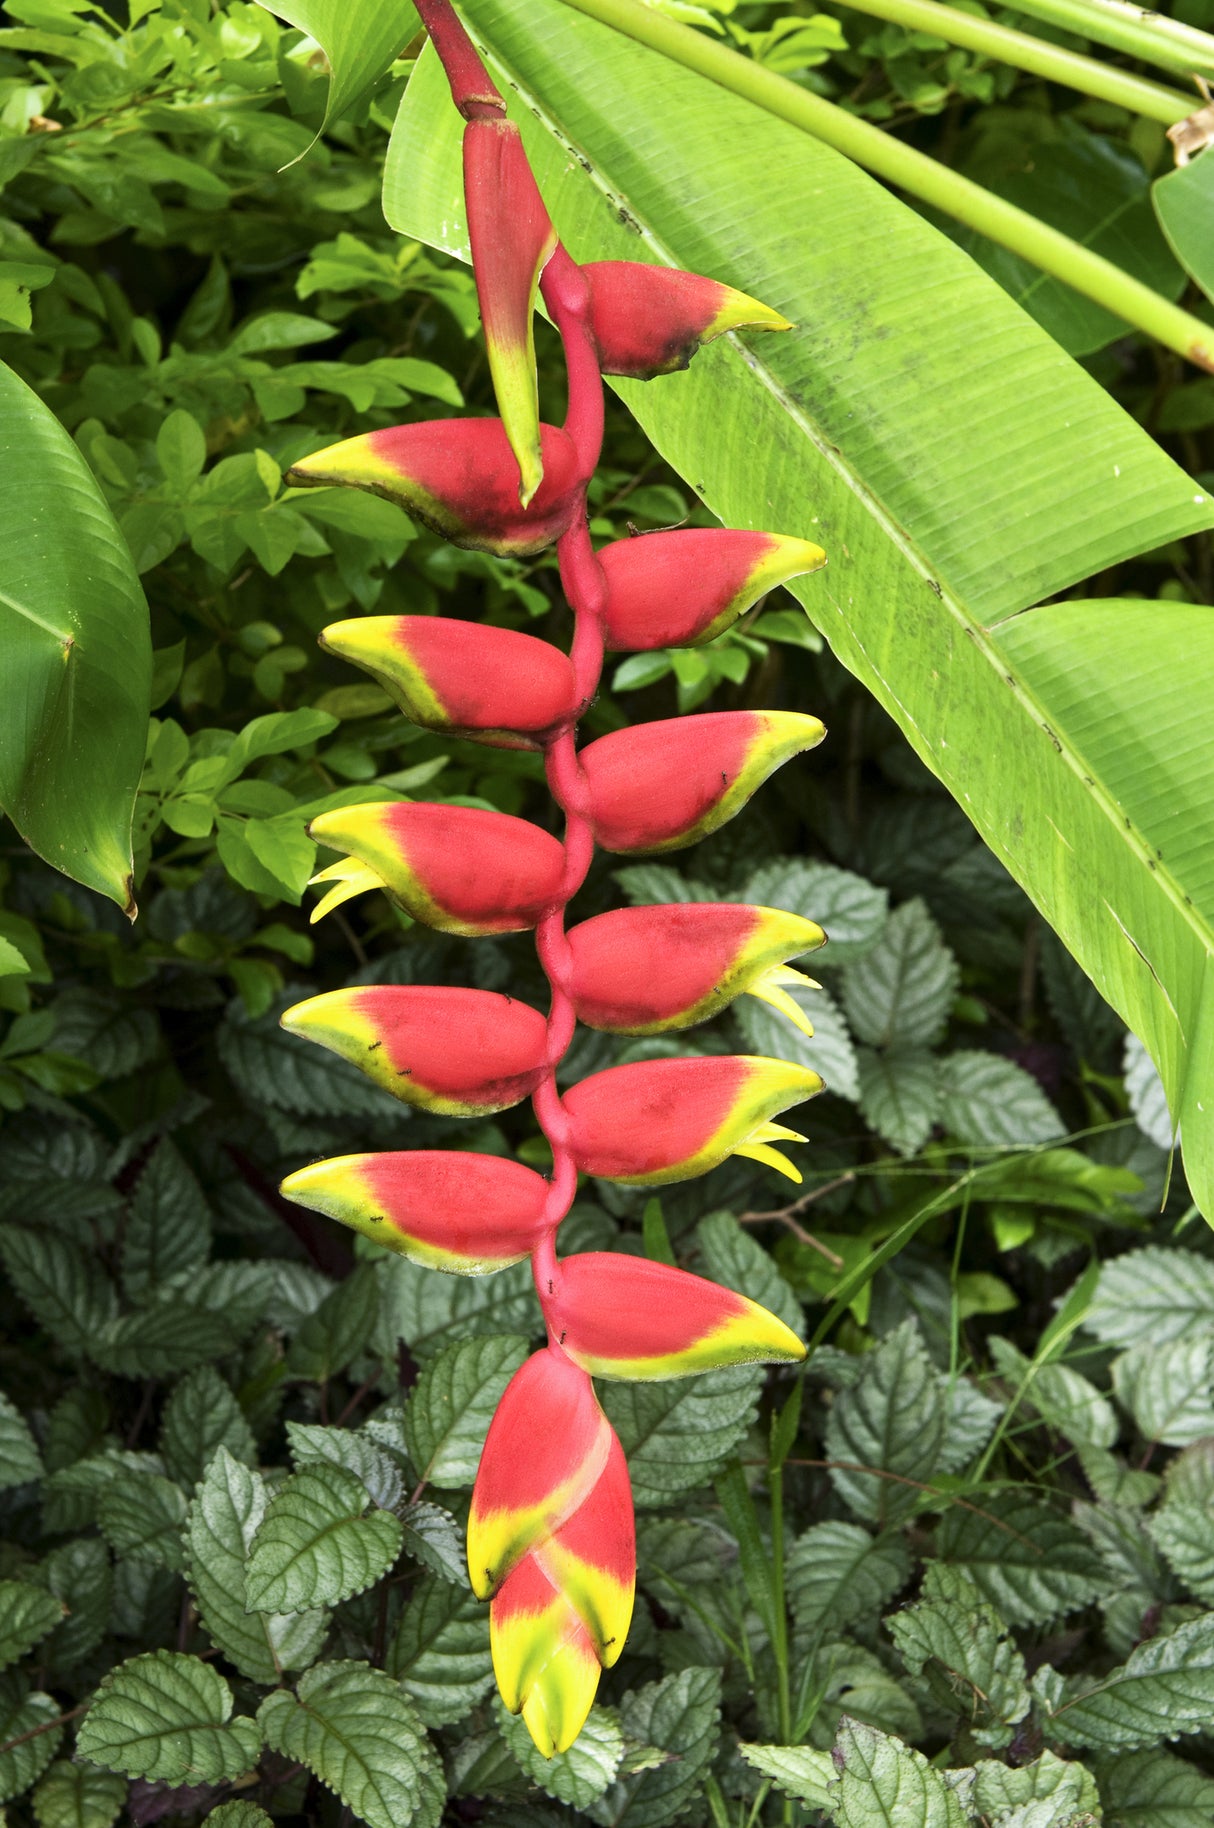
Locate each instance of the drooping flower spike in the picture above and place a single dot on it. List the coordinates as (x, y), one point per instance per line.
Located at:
(551, 1540)
(648, 971)
(456, 868)
(492, 685)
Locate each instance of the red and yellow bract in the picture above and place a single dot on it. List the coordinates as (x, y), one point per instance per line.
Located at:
(551, 1540)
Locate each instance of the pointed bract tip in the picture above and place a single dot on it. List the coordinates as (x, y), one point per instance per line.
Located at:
(738, 311)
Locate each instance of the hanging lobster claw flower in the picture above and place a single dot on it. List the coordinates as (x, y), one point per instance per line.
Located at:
(668, 1120)
(651, 320)
(681, 588)
(657, 787)
(512, 240)
(647, 971)
(620, 1316)
(459, 477)
(457, 868)
(551, 1539)
(456, 1052)
(447, 1209)
(490, 684)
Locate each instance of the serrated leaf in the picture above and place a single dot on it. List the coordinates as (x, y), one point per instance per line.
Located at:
(972, 1667)
(26, 1615)
(1146, 1094)
(431, 1311)
(356, 1453)
(901, 992)
(440, 1654)
(168, 1337)
(987, 1100)
(168, 1229)
(829, 1051)
(167, 1717)
(355, 1729)
(1168, 1389)
(797, 1770)
(882, 1782)
(314, 1546)
(1029, 1561)
(1154, 1790)
(70, 1496)
(338, 1330)
(852, 911)
(1062, 1397)
(969, 1419)
(678, 1435)
(80, 1576)
(239, 1815)
(107, 1031)
(899, 1095)
(1163, 1689)
(201, 1416)
(452, 1404)
(1152, 1296)
(228, 1507)
(74, 1796)
(142, 1518)
(433, 1537)
(893, 1419)
(64, 1289)
(579, 1775)
(837, 1573)
(22, 1711)
(1184, 1532)
(20, 1460)
(646, 884)
(679, 1719)
(1049, 1793)
(731, 1256)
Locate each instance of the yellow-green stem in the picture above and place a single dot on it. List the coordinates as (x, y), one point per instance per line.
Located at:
(1169, 44)
(1004, 45)
(913, 171)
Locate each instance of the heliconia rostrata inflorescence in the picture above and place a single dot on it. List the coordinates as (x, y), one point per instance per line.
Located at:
(550, 1535)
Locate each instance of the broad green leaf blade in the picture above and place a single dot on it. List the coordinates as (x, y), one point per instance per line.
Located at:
(26, 1615)
(1154, 1790)
(314, 1547)
(360, 39)
(681, 1716)
(798, 1771)
(1002, 1793)
(1165, 1688)
(1029, 1561)
(354, 1728)
(891, 1419)
(837, 1573)
(1184, 203)
(881, 1781)
(971, 1666)
(19, 1456)
(167, 1717)
(440, 1654)
(201, 1416)
(582, 1773)
(28, 1735)
(73, 1796)
(75, 654)
(678, 1435)
(1151, 1296)
(453, 1403)
(956, 466)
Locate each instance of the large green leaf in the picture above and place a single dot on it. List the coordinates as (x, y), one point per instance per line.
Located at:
(1184, 203)
(75, 654)
(360, 39)
(955, 464)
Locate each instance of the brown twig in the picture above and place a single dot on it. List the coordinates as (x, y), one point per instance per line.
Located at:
(880, 1472)
(784, 1215)
(36, 1732)
(367, 1384)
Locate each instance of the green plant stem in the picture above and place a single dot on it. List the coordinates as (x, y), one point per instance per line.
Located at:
(1020, 49)
(912, 171)
(775, 1486)
(1151, 37)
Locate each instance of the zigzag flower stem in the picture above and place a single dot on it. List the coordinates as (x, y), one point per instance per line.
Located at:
(551, 1539)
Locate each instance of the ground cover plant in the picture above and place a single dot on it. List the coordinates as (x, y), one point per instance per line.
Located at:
(957, 1569)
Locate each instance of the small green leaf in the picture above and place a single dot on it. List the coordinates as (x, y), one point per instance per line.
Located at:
(167, 1717)
(314, 1547)
(75, 1796)
(899, 1094)
(836, 1573)
(357, 1453)
(141, 1517)
(168, 1231)
(25, 1711)
(881, 1781)
(64, 1289)
(678, 1435)
(26, 1615)
(200, 1416)
(355, 1729)
(338, 1330)
(228, 1508)
(985, 1099)
(801, 1773)
(679, 1716)
(239, 1815)
(1029, 1561)
(1168, 1389)
(1004, 1794)
(893, 1419)
(360, 39)
(1152, 1296)
(169, 1336)
(1184, 204)
(577, 1776)
(450, 1408)
(433, 1537)
(1165, 1688)
(20, 1460)
(972, 1667)
(1154, 1790)
(901, 992)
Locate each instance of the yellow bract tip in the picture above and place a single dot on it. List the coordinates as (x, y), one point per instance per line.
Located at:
(768, 989)
(771, 1158)
(741, 312)
(349, 878)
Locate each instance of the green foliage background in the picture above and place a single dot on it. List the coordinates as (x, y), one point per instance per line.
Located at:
(235, 1453)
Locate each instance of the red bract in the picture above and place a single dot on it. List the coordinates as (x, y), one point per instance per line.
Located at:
(490, 684)
(456, 868)
(648, 321)
(644, 971)
(684, 587)
(465, 1213)
(550, 1531)
(511, 239)
(667, 1120)
(657, 787)
(620, 1316)
(459, 477)
(459, 1053)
